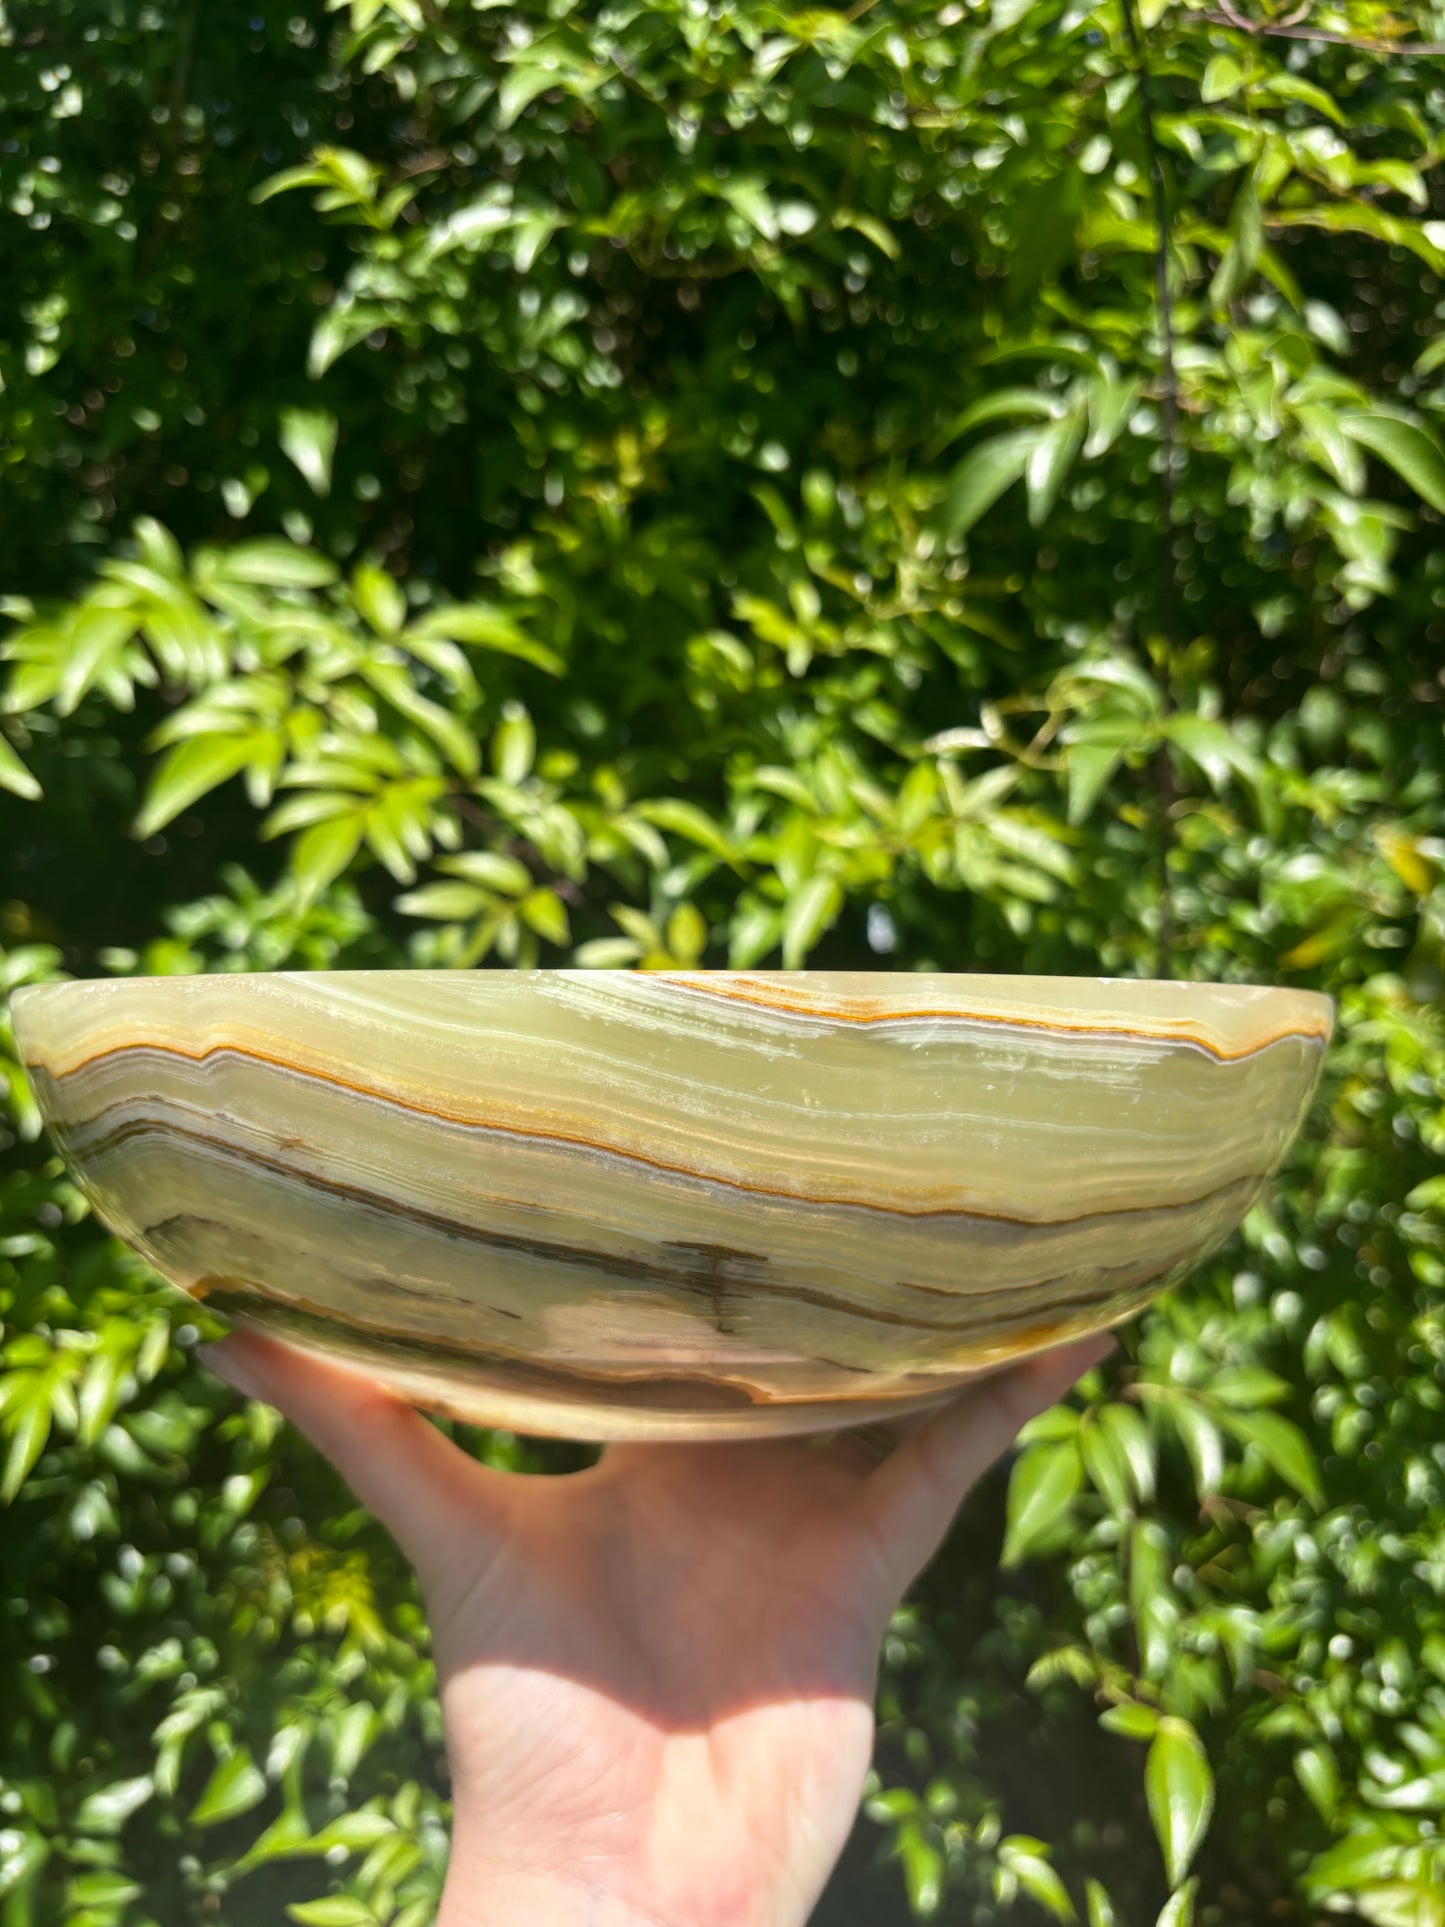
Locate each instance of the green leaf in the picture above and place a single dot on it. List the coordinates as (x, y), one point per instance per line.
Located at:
(1245, 1386)
(1101, 1908)
(1284, 1446)
(354, 1831)
(338, 329)
(308, 436)
(96, 654)
(1151, 1603)
(14, 776)
(922, 1868)
(486, 627)
(1411, 451)
(756, 929)
(1359, 216)
(686, 820)
(1055, 1423)
(288, 178)
(29, 1430)
(380, 600)
(1178, 1909)
(606, 953)
(514, 744)
(1089, 766)
(1049, 462)
(1207, 743)
(1246, 245)
(982, 477)
(274, 564)
(1135, 1441)
(236, 1786)
(520, 88)
(1223, 78)
(320, 855)
(753, 202)
(159, 549)
(447, 902)
(1045, 1481)
(101, 1889)
(1318, 1773)
(687, 934)
(1332, 447)
(107, 1809)
(871, 229)
(1039, 1880)
(543, 911)
(1179, 1787)
(1132, 1720)
(811, 909)
(998, 405)
(1111, 403)
(1106, 1465)
(337, 1910)
(1201, 1441)
(189, 771)
(505, 874)
(1400, 1903)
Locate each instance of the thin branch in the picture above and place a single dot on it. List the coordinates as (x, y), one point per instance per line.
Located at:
(1287, 30)
(1169, 446)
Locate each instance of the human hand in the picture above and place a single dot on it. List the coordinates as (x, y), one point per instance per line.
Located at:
(657, 1675)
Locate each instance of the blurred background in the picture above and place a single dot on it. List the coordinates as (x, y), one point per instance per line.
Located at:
(489, 482)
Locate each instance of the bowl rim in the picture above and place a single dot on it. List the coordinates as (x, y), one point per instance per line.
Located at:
(1019, 1000)
(876, 979)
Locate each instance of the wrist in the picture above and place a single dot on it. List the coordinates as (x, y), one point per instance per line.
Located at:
(492, 1897)
(483, 1892)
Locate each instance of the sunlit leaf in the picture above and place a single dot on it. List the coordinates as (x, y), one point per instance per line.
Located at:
(187, 773)
(1413, 452)
(1180, 1789)
(277, 565)
(236, 1785)
(308, 436)
(1045, 1481)
(1284, 1446)
(983, 475)
(14, 776)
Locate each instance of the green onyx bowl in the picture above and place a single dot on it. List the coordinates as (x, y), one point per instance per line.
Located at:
(602, 1205)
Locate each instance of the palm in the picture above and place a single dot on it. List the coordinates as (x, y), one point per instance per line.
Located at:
(657, 1675)
(696, 1627)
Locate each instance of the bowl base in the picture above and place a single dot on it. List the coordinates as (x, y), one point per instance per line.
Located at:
(535, 1415)
(632, 1408)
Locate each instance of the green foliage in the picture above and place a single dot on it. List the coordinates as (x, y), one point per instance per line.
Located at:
(664, 487)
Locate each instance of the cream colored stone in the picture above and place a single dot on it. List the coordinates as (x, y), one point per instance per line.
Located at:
(606, 1204)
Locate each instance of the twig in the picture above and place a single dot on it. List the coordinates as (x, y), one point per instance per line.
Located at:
(1288, 30)
(181, 72)
(1169, 445)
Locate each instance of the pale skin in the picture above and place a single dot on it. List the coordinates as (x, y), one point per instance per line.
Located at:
(657, 1675)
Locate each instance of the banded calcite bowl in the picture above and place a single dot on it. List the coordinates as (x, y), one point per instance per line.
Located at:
(601, 1204)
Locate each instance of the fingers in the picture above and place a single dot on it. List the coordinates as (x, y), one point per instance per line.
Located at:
(912, 1497)
(424, 1489)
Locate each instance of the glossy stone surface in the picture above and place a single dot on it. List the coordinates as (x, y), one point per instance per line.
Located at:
(615, 1205)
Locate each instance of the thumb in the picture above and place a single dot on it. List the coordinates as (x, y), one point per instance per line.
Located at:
(422, 1488)
(912, 1497)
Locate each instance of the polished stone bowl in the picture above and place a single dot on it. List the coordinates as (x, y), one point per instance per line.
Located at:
(600, 1204)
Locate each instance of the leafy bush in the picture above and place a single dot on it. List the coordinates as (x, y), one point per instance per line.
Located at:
(720, 485)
